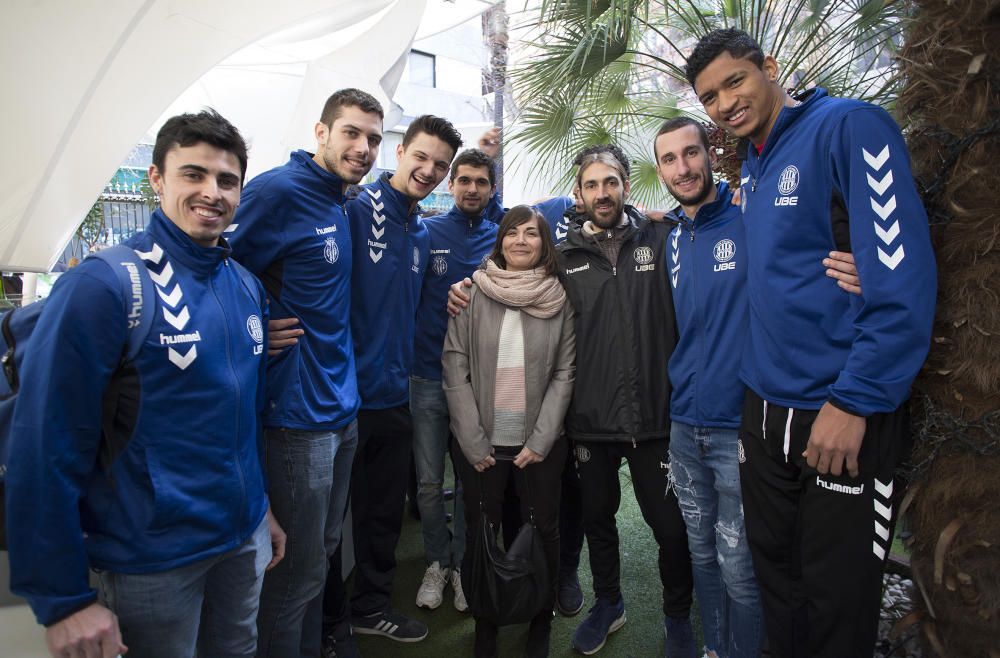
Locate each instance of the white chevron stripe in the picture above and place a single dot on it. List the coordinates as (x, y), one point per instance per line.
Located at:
(744, 181)
(883, 511)
(377, 206)
(876, 161)
(230, 228)
(376, 194)
(886, 210)
(163, 278)
(882, 531)
(891, 261)
(880, 186)
(377, 232)
(675, 268)
(174, 296)
(673, 240)
(673, 279)
(878, 551)
(153, 255)
(887, 236)
(177, 321)
(375, 256)
(560, 233)
(674, 255)
(183, 362)
(378, 218)
(884, 489)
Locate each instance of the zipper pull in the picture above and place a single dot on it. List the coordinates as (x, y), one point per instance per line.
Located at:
(614, 270)
(633, 443)
(753, 184)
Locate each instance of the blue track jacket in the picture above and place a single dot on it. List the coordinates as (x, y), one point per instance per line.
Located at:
(708, 266)
(554, 211)
(458, 246)
(835, 173)
(291, 230)
(188, 482)
(391, 250)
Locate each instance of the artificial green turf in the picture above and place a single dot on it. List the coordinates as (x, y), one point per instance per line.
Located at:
(451, 632)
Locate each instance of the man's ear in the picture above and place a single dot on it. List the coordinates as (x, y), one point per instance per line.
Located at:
(155, 179)
(770, 68)
(322, 133)
(626, 187)
(399, 151)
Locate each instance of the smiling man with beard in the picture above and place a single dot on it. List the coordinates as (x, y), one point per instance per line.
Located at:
(615, 270)
(292, 231)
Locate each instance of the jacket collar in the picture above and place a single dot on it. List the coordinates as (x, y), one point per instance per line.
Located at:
(397, 204)
(336, 184)
(710, 213)
(180, 248)
(790, 115)
(577, 237)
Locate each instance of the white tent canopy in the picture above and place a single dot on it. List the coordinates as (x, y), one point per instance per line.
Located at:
(85, 81)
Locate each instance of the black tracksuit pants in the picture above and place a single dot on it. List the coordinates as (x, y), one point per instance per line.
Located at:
(597, 464)
(819, 542)
(378, 491)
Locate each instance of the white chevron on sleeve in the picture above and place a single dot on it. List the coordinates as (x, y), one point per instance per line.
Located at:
(375, 256)
(378, 218)
(163, 278)
(885, 210)
(375, 194)
(377, 232)
(230, 228)
(891, 261)
(560, 233)
(673, 280)
(744, 181)
(183, 362)
(876, 161)
(177, 321)
(172, 298)
(153, 255)
(377, 206)
(674, 255)
(887, 236)
(883, 489)
(880, 186)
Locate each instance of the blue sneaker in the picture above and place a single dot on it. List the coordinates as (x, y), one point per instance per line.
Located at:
(679, 638)
(602, 620)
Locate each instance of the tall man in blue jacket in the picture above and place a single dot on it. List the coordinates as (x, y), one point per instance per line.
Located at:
(391, 254)
(292, 231)
(824, 420)
(459, 241)
(166, 498)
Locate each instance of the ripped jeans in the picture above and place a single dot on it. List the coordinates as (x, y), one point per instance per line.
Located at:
(706, 478)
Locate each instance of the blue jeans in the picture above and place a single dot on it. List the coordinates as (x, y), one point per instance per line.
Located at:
(706, 478)
(429, 411)
(309, 477)
(210, 605)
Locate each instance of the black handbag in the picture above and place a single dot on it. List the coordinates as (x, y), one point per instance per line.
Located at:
(507, 587)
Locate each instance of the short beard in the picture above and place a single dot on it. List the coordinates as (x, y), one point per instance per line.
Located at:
(610, 223)
(697, 197)
(475, 212)
(333, 169)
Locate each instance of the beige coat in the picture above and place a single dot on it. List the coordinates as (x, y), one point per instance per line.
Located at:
(470, 360)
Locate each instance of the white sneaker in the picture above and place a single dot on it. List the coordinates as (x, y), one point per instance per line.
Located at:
(431, 591)
(456, 584)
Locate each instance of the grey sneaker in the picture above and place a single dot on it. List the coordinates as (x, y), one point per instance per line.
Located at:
(456, 584)
(431, 592)
(393, 625)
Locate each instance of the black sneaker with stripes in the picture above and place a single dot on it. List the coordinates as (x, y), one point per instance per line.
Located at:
(393, 625)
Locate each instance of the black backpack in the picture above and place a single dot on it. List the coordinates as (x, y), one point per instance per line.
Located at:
(17, 326)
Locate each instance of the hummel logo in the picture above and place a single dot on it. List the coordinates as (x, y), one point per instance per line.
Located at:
(891, 261)
(177, 321)
(840, 488)
(886, 210)
(880, 186)
(183, 362)
(174, 296)
(876, 161)
(153, 255)
(163, 278)
(887, 236)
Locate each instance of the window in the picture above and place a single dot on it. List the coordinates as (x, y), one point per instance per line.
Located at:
(420, 69)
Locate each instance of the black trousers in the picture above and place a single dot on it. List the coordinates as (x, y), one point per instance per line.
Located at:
(819, 542)
(597, 464)
(570, 517)
(378, 492)
(543, 482)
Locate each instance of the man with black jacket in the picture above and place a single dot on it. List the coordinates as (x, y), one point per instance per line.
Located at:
(614, 268)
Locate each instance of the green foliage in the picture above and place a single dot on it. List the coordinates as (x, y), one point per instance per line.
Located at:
(613, 69)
